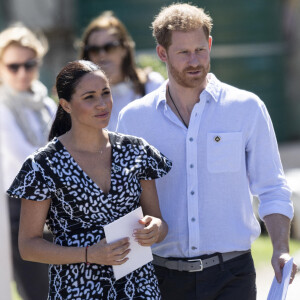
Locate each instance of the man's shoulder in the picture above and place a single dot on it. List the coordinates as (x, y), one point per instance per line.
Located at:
(147, 103)
(155, 77)
(238, 96)
(141, 113)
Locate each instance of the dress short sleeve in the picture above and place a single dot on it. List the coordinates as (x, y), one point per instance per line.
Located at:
(32, 182)
(154, 163)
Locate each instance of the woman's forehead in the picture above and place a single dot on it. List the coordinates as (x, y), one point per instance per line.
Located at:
(103, 34)
(93, 79)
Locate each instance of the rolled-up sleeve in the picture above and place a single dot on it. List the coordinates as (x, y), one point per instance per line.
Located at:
(265, 172)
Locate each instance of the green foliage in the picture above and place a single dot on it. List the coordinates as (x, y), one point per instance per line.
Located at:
(262, 250)
(152, 61)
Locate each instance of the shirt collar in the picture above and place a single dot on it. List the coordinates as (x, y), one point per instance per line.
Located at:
(162, 93)
(213, 88)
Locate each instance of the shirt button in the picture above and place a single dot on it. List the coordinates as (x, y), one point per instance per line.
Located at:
(191, 166)
(194, 248)
(191, 139)
(193, 219)
(192, 192)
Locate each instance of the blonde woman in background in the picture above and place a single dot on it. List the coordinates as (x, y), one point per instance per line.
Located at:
(26, 112)
(106, 42)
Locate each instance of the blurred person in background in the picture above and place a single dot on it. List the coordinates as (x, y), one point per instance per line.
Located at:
(107, 43)
(26, 112)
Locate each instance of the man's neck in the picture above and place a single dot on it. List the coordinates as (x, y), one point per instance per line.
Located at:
(185, 97)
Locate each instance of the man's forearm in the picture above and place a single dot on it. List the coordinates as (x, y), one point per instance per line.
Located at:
(278, 227)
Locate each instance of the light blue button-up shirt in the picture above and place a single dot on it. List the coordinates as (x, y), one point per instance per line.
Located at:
(227, 154)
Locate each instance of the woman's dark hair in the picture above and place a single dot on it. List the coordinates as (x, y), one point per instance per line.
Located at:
(66, 83)
(107, 21)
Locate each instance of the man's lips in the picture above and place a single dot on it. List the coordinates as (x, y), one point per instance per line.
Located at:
(193, 70)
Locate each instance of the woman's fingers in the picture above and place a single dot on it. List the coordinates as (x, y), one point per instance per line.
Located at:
(110, 253)
(119, 253)
(145, 220)
(147, 237)
(120, 244)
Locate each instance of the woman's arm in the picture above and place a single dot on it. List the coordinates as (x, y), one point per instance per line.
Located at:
(33, 247)
(156, 228)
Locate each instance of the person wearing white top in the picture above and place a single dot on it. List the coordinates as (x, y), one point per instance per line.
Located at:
(26, 113)
(224, 150)
(106, 42)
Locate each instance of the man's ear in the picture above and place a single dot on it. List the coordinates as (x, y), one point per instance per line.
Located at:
(210, 42)
(162, 53)
(65, 105)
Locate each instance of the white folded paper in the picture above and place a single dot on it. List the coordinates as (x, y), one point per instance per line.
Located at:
(121, 228)
(278, 291)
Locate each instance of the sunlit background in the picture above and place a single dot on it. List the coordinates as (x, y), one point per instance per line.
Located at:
(256, 46)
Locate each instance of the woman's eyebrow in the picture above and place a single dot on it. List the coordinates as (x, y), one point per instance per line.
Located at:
(88, 92)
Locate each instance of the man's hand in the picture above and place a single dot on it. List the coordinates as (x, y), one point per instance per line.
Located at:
(278, 261)
(278, 227)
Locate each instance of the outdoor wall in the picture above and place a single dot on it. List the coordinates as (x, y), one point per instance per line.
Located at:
(251, 42)
(247, 47)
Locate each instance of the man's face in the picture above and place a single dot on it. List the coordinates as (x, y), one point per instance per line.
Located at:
(188, 58)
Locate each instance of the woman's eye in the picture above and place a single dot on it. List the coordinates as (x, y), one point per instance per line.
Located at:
(106, 93)
(88, 97)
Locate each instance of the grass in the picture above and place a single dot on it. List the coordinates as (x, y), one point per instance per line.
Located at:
(261, 251)
(15, 294)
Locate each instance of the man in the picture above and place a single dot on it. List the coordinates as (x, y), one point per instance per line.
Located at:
(223, 148)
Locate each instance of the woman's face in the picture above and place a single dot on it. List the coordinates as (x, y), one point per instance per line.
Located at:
(108, 53)
(18, 67)
(91, 104)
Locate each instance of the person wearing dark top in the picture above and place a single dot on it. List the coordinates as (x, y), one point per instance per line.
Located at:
(84, 178)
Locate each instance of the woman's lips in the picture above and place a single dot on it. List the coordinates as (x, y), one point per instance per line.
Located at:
(102, 115)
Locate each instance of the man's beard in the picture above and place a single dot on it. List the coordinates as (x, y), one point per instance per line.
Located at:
(187, 81)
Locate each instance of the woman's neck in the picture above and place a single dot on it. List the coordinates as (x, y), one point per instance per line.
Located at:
(83, 141)
(116, 78)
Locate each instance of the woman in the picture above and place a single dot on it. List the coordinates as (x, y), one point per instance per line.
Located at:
(84, 178)
(107, 43)
(26, 112)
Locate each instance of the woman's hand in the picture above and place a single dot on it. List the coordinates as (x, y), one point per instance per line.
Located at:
(152, 233)
(103, 253)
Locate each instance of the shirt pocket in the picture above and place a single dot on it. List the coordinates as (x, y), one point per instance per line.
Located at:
(224, 151)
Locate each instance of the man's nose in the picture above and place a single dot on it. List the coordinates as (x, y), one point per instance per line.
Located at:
(194, 60)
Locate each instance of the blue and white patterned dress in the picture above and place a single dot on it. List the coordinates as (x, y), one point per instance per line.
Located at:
(79, 209)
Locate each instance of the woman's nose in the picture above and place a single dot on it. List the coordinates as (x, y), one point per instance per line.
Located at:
(101, 53)
(22, 71)
(101, 103)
